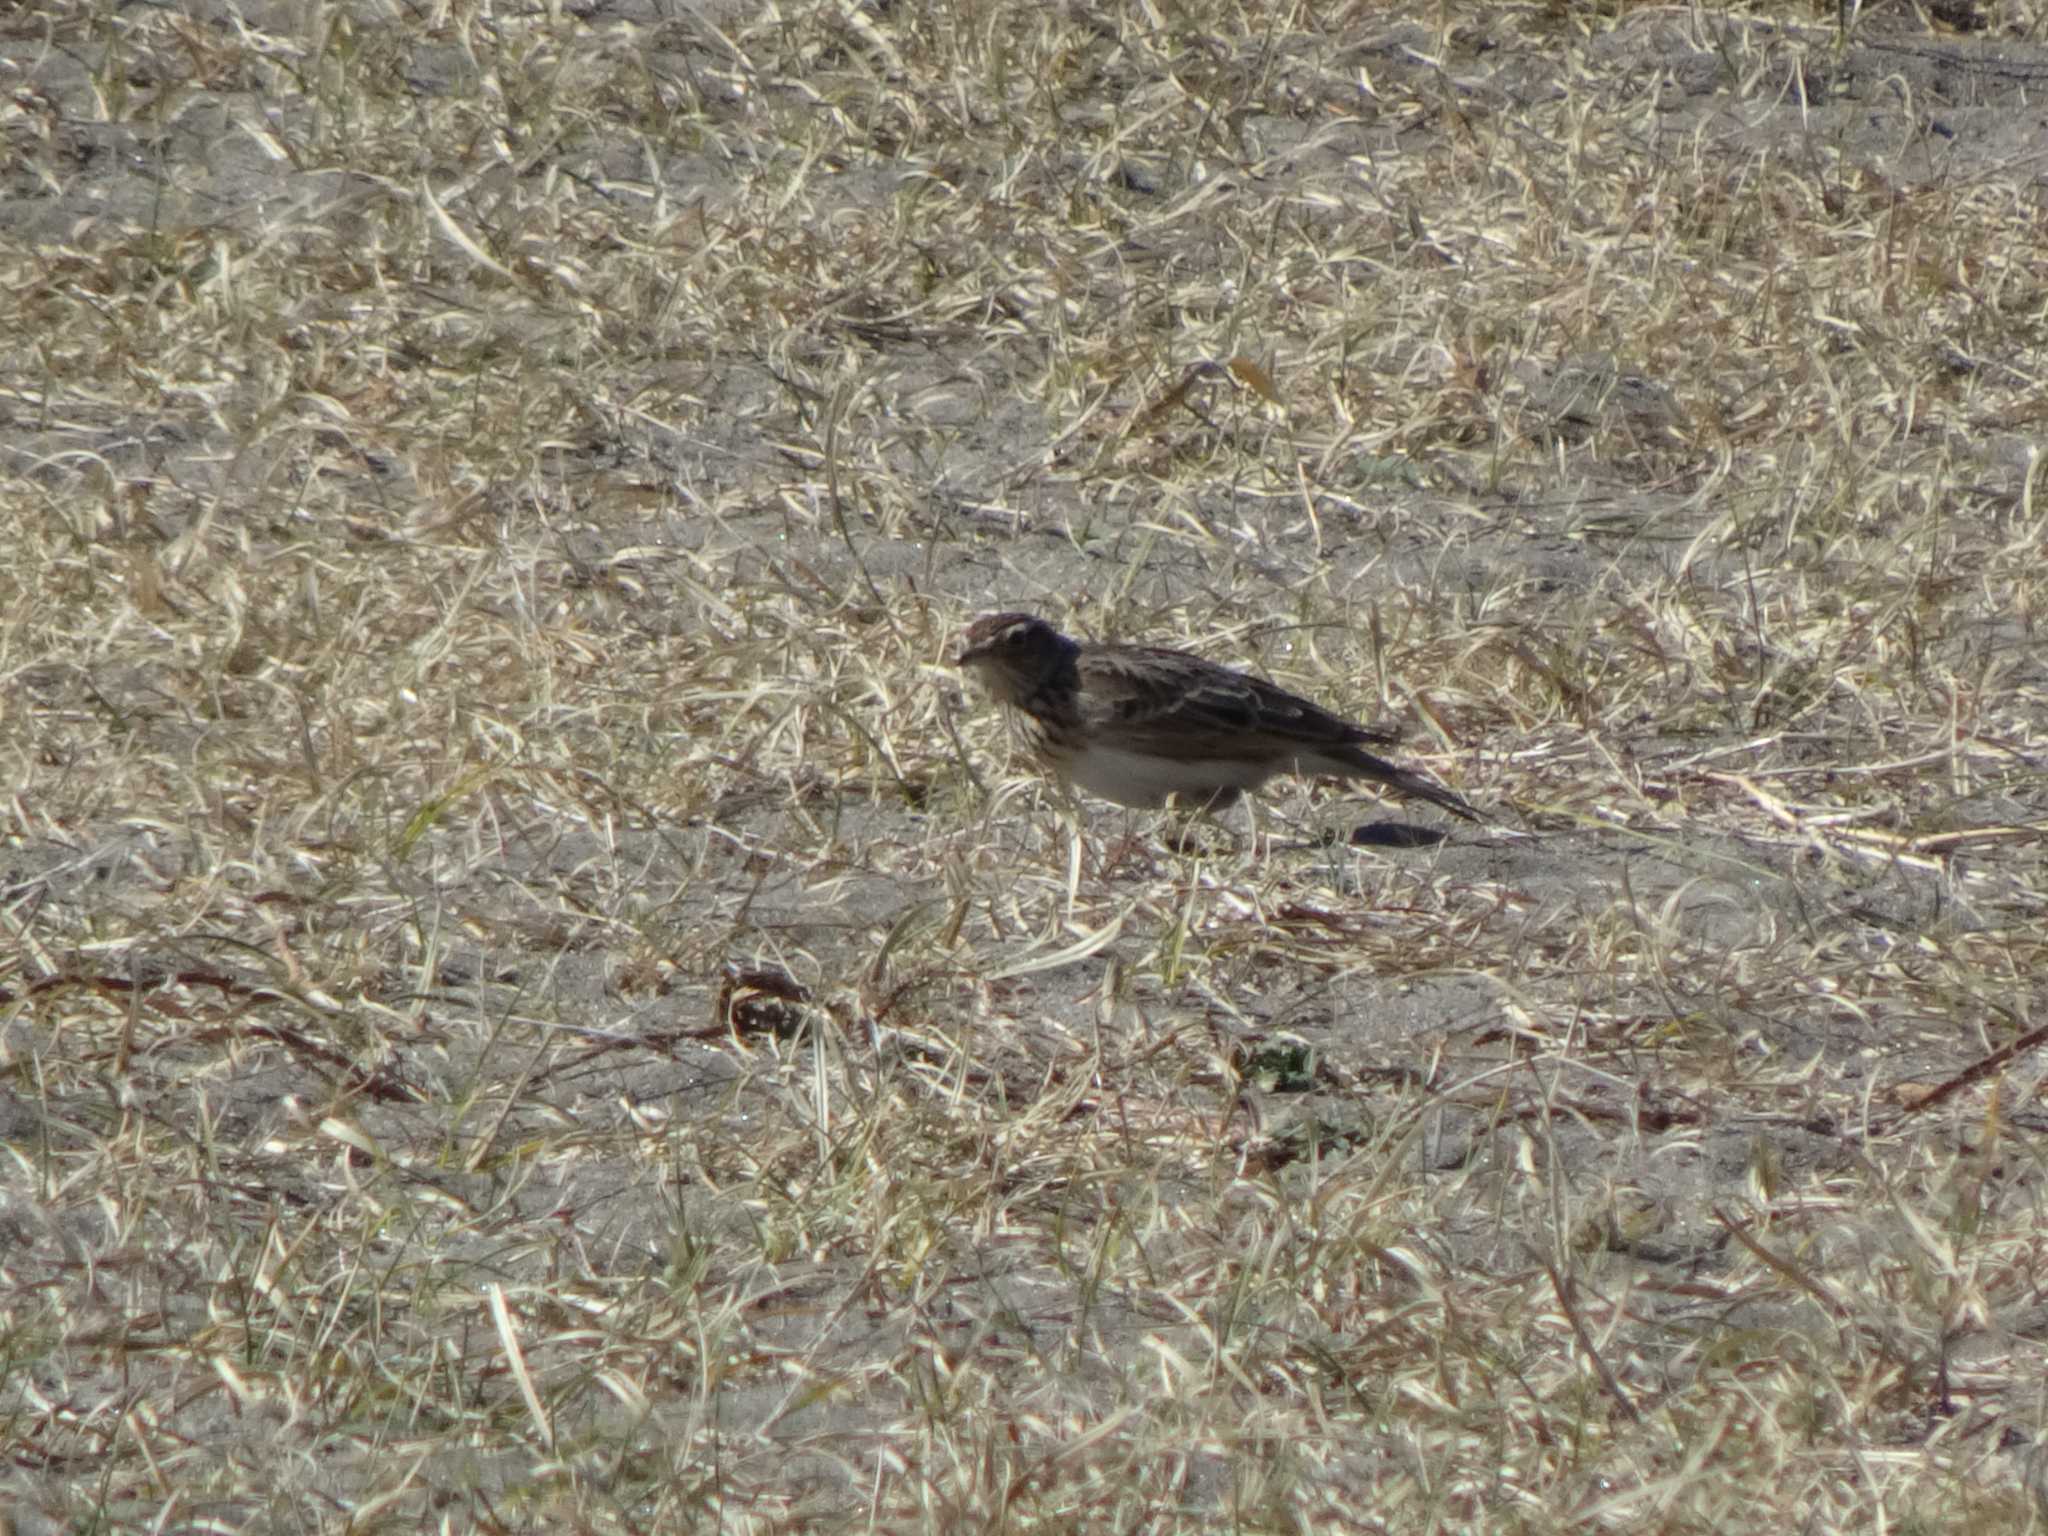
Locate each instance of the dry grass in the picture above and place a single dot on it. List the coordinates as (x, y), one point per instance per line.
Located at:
(530, 1000)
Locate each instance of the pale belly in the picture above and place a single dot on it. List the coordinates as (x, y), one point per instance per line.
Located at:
(1137, 779)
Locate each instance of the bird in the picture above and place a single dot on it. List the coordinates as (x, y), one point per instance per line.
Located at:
(1136, 724)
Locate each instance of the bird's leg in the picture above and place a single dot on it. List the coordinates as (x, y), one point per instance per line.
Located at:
(1303, 836)
(1190, 812)
(1071, 817)
(1127, 846)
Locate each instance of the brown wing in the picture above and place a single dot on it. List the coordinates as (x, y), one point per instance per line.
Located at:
(1174, 704)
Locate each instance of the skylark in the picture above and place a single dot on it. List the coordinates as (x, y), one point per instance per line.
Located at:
(1135, 724)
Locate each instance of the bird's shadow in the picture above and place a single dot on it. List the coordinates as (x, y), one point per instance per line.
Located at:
(1371, 834)
(1395, 834)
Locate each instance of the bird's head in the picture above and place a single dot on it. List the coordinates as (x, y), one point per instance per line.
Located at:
(1012, 653)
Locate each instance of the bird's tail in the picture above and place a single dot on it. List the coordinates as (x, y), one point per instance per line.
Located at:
(1365, 766)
